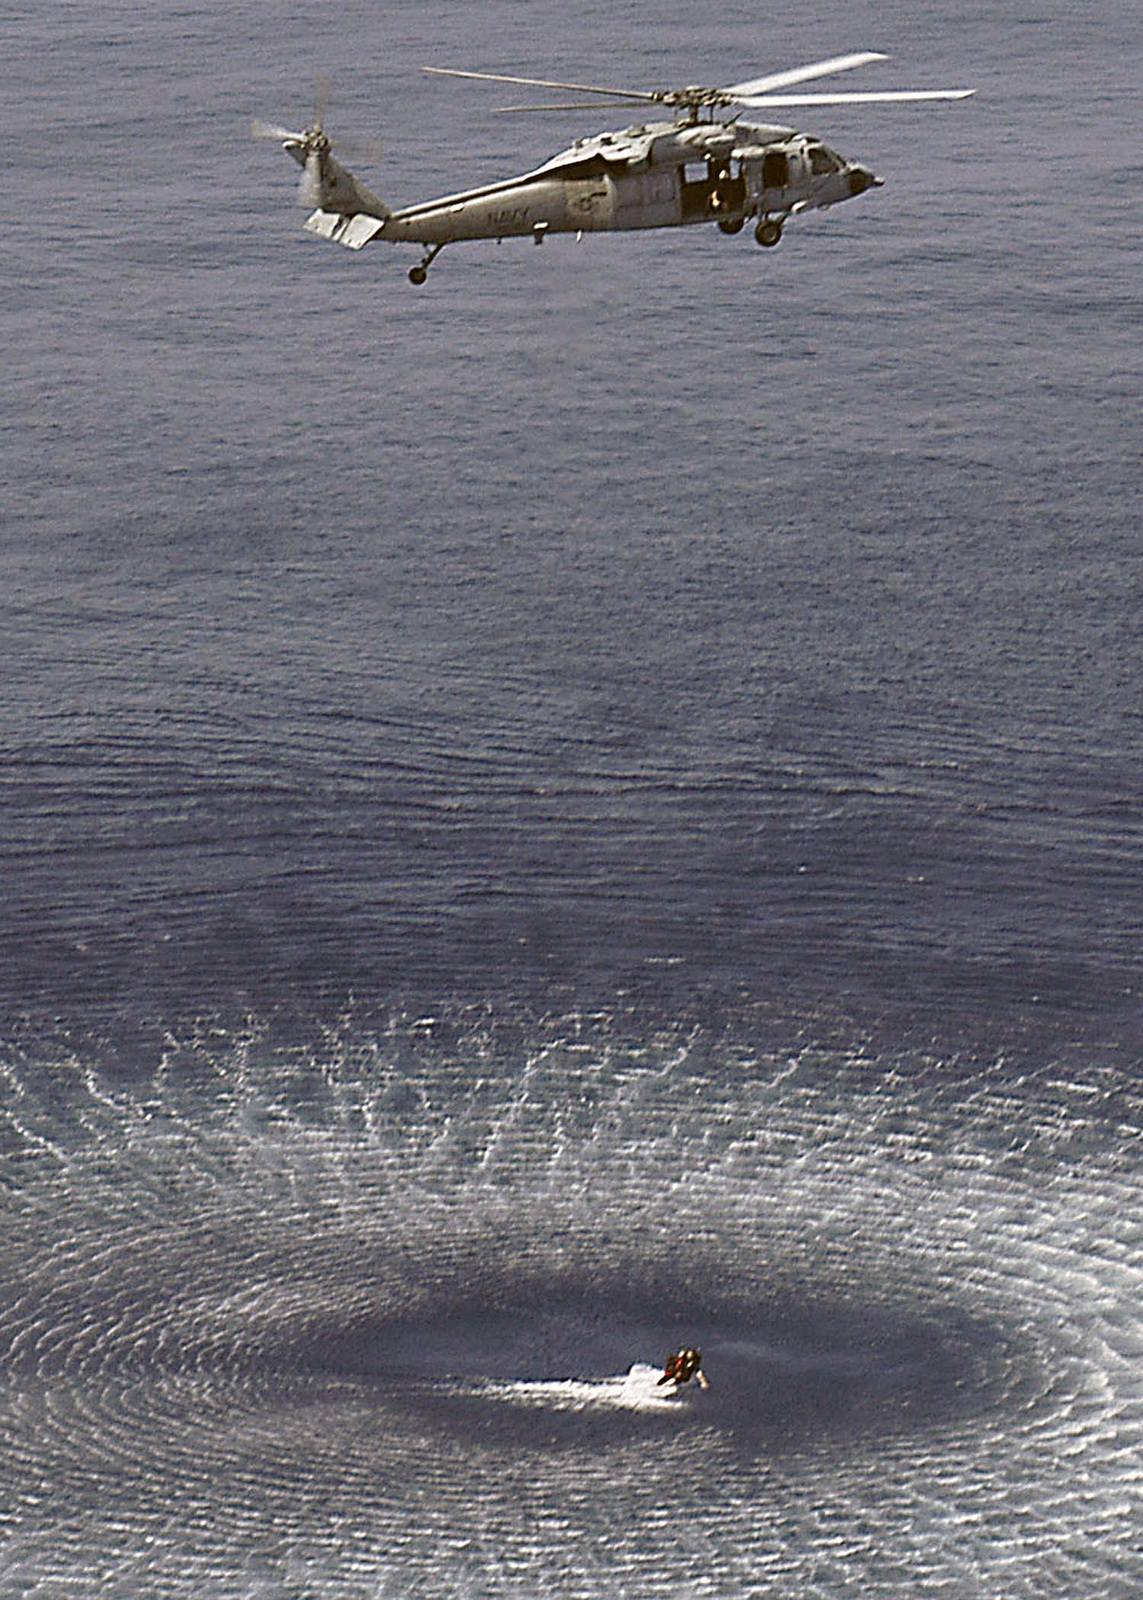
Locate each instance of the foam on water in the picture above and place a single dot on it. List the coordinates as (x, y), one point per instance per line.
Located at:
(379, 1316)
(637, 1390)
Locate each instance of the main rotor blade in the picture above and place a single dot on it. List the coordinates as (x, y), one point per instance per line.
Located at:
(756, 92)
(583, 105)
(815, 69)
(634, 95)
(876, 97)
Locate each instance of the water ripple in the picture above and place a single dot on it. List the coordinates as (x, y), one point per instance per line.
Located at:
(372, 1315)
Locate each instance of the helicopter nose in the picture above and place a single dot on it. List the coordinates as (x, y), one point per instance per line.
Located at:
(860, 179)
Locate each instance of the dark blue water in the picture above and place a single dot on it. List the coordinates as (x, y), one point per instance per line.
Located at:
(591, 805)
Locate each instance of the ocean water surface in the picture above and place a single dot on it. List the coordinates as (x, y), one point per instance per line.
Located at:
(591, 806)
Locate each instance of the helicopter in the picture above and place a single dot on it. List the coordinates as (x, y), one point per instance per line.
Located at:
(703, 165)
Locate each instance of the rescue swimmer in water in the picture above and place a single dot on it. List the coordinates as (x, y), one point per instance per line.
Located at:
(681, 1366)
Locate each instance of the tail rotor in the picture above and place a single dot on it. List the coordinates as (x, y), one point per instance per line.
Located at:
(311, 149)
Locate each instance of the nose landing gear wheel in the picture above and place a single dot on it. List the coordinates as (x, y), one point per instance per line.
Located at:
(418, 275)
(768, 232)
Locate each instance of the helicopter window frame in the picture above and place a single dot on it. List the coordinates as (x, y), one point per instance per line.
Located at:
(823, 162)
(776, 169)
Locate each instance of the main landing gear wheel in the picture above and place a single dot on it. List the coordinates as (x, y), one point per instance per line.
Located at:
(418, 275)
(768, 232)
(732, 224)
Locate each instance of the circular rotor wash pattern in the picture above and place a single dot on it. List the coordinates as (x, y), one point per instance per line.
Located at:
(378, 1317)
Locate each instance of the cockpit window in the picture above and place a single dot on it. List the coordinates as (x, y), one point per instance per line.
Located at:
(822, 161)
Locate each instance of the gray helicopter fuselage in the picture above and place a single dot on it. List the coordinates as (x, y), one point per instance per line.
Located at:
(660, 175)
(656, 176)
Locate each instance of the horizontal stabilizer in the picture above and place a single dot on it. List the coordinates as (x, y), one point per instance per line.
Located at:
(353, 232)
